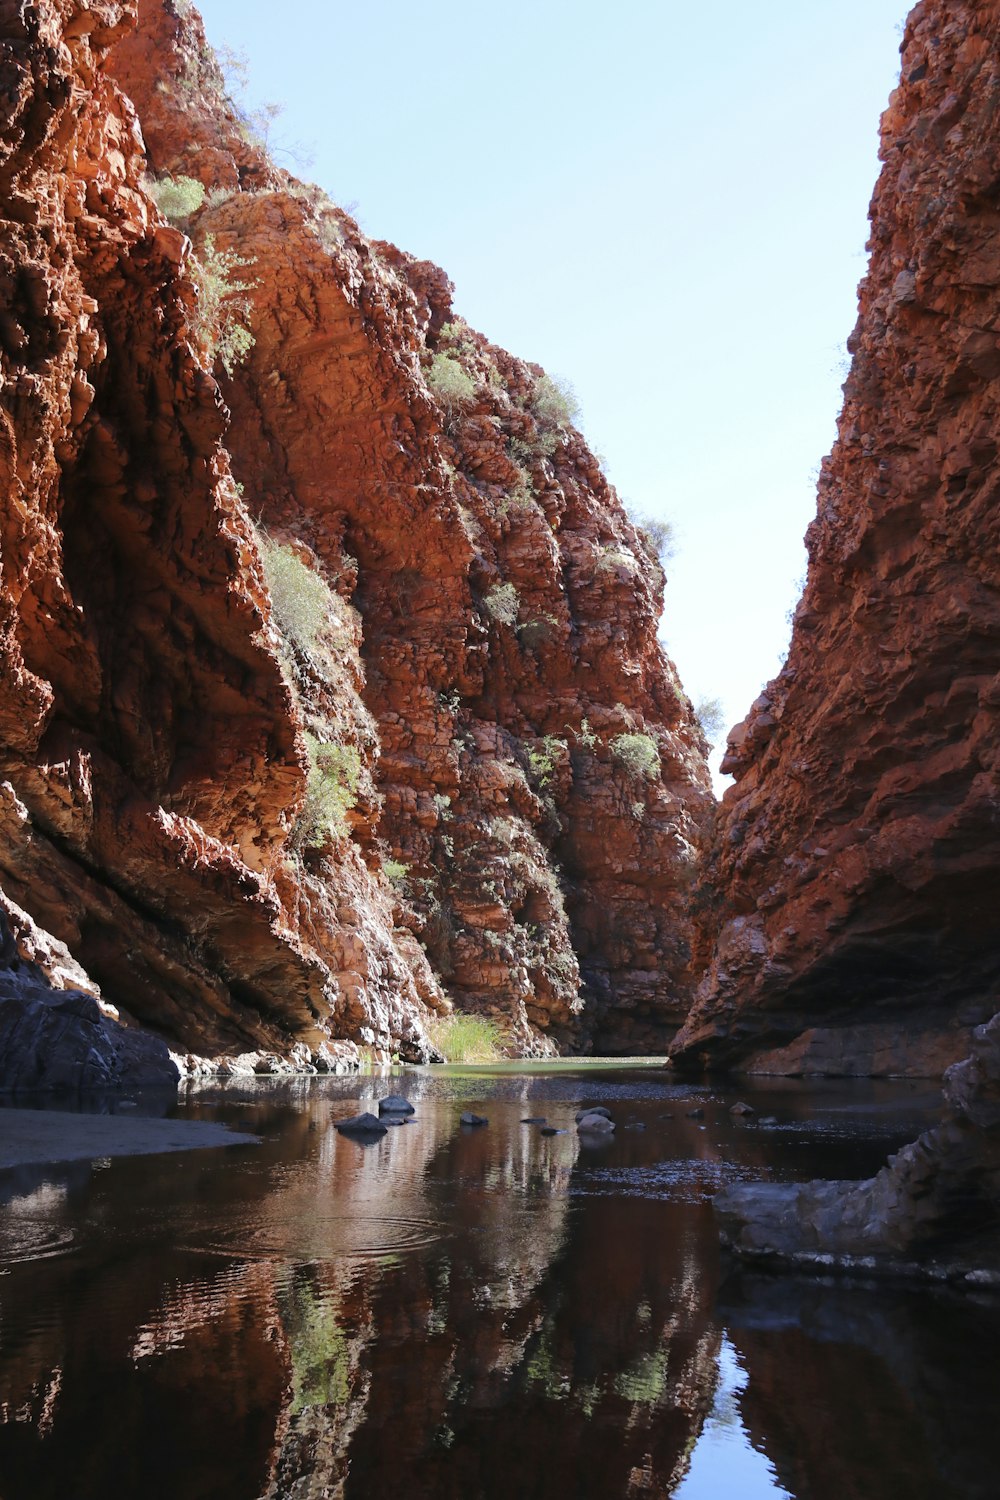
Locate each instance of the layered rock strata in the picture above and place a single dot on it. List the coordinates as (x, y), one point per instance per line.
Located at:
(404, 738)
(856, 867)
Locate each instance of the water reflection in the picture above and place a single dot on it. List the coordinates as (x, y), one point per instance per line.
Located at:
(462, 1313)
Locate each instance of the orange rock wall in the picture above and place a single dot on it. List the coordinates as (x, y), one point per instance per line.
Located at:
(155, 730)
(856, 867)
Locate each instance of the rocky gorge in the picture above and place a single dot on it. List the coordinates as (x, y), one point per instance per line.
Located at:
(334, 696)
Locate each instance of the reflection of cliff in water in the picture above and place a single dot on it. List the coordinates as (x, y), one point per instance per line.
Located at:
(549, 1337)
(867, 1394)
(320, 1320)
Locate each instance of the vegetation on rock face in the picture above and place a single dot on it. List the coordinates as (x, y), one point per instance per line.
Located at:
(462, 1038)
(543, 759)
(305, 609)
(451, 384)
(554, 402)
(331, 791)
(503, 603)
(710, 715)
(177, 198)
(221, 321)
(302, 601)
(638, 754)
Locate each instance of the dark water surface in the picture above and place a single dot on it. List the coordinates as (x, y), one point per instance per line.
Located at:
(492, 1312)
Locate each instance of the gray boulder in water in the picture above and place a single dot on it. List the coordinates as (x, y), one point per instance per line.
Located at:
(470, 1119)
(365, 1124)
(395, 1104)
(595, 1124)
(593, 1109)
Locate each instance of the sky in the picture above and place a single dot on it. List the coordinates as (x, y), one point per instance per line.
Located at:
(664, 204)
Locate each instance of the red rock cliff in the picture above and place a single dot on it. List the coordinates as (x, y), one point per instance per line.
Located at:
(406, 735)
(857, 860)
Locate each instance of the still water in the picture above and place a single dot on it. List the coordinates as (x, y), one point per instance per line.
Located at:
(476, 1312)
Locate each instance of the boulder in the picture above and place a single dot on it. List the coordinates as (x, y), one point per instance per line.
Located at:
(470, 1119)
(595, 1109)
(364, 1124)
(395, 1104)
(595, 1124)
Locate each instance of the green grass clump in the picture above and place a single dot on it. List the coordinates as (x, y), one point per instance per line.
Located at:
(554, 402)
(461, 1038)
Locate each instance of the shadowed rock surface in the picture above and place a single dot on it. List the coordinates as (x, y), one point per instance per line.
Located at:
(934, 1210)
(61, 1040)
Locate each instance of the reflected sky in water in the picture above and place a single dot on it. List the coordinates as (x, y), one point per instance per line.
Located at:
(467, 1312)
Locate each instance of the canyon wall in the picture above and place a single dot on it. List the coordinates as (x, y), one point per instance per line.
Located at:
(333, 690)
(847, 918)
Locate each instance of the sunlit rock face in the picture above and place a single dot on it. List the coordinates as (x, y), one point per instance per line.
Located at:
(848, 917)
(469, 772)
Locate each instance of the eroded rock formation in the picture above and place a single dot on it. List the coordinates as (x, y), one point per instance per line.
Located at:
(848, 921)
(464, 771)
(933, 1209)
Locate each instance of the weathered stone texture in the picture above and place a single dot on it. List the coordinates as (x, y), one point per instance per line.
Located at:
(155, 725)
(856, 867)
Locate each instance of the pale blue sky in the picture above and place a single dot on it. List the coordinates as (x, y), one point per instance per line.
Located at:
(664, 203)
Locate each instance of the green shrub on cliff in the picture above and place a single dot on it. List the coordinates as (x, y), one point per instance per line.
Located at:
(710, 715)
(452, 385)
(301, 599)
(221, 321)
(554, 402)
(331, 791)
(177, 198)
(502, 603)
(638, 754)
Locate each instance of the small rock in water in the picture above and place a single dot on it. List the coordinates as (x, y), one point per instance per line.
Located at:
(695, 1114)
(635, 1125)
(598, 1109)
(534, 1120)
(742, 1109)
(366, 1124)
(767, 1120)
(666, 1117)
(470, 1119)
(395, 1104)
(394, 1120)
(594, 1124)
(551, 1130)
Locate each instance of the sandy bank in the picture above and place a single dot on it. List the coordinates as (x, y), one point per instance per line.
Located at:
(33, 1136)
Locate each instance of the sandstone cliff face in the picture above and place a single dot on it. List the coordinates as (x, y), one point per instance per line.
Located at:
(857, 859)
(404, 736)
